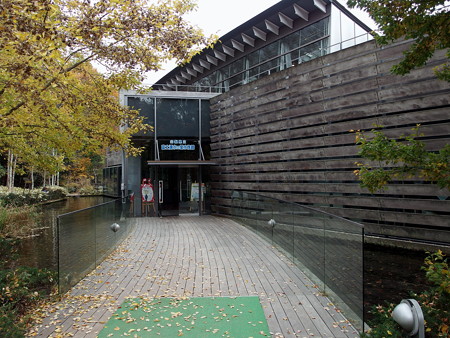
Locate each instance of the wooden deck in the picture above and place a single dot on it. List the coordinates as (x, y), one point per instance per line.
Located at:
(191, 256)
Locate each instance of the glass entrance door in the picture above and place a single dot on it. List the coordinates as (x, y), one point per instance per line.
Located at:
(168, 191)
(178, 191)
(188, 180)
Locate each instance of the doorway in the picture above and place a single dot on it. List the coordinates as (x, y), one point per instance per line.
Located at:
(179, 191)
(168, 191)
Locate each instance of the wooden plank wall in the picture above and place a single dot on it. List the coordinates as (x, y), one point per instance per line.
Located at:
(288, 136)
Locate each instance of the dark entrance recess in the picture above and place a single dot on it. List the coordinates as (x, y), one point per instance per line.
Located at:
(169, 201)
(177, 189)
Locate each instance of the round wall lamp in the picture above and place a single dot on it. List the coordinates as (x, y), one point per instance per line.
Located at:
(115, 227)
(409, 316)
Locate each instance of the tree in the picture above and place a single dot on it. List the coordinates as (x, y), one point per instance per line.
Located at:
(52, 101)
(400, 159)
(427, 22)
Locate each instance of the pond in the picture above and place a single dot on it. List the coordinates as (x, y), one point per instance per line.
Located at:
(41, 250)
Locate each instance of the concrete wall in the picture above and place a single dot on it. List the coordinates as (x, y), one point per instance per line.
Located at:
(287, 136)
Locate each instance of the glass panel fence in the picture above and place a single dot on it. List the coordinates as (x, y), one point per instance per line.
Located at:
(86, 237)
(327, 248)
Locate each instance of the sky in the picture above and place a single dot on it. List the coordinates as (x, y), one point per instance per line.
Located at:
(219, 17)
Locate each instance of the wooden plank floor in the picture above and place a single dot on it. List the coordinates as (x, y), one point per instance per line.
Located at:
(191, 256)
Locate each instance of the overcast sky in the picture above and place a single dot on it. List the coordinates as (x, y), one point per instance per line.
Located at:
(220, 17)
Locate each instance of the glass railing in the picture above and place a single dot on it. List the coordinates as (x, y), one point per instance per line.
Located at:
(327, 248)
(86, 237)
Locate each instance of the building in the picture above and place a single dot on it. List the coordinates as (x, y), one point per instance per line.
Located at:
(269, 110)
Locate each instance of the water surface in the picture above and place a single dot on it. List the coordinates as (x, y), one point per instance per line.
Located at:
(41, 250)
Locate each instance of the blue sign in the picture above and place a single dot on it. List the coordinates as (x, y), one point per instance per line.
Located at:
(177, 145)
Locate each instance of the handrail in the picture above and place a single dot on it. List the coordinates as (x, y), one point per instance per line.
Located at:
(327, 248)
(85, 237)
(87, 208)
(302, 206)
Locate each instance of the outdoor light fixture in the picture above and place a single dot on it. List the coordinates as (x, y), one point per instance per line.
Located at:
(409, 316)
(115, 227)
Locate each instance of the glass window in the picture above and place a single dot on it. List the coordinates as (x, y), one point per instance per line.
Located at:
(145, 105)
(289, 44)
(361, 35)
(311, 51)
(253, 59)
(237, 67)
(268, 52)
(206, 119)
(292, 41)
(236, 75)
(314, 32)
(348, 31)
(251, 62)
(206, 130)
(236, 80)
(177, 118)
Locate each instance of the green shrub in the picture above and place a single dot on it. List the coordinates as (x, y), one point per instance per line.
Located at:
(9, 326)
(434, 303)
(20, 197)
(56, 193)
(89, 190)
(72, 187)
(18, 221)
(81, 186)
(21, 288)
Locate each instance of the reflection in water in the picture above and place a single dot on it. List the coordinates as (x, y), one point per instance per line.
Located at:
(41, 250)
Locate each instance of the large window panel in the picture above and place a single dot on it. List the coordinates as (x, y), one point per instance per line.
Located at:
(348, 31)
(237, 67)
(311, 51)
(315, 31)
(236, 74)
(206, 119)
(253, 59)
(251, 62)
(206, 129)
(289, 45)
(236, 80)
(268, 52)
(145, 106)
(177, 118)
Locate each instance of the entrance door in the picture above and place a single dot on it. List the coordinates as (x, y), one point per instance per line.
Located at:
(188, 190)
(170, 193)
(179, 191)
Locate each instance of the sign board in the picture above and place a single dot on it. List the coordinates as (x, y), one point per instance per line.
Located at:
(195, 191)
(177, 145)
(147, 193)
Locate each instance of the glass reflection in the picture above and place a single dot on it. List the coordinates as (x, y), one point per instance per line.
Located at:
(177, 118)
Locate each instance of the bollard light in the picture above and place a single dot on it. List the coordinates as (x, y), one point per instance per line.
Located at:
(409, 316)
(115, 227)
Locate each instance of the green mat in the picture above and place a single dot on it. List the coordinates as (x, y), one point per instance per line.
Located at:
(193, 317)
